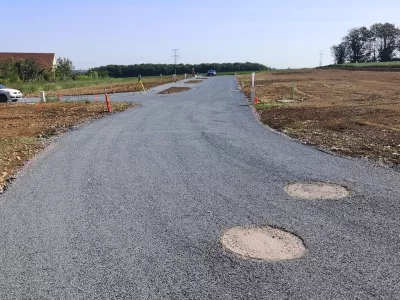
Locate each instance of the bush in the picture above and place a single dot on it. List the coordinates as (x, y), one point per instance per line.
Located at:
(82, 77)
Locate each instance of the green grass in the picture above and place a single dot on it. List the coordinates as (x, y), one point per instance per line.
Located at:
(29, 88)
(388, 64)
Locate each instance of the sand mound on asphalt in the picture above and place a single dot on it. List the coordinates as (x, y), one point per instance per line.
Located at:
(263, 243)
(317, 191)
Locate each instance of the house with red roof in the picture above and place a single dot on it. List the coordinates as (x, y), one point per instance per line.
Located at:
(46, 61)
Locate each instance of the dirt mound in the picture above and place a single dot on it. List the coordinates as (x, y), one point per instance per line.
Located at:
(174, 90)
(194, 81)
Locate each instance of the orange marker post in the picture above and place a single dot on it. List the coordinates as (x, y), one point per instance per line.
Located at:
(108, 103)
(59, 97)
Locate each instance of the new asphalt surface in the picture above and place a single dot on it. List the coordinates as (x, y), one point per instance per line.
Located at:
(133, 205)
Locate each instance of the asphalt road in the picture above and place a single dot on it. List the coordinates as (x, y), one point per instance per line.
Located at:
(132, 206)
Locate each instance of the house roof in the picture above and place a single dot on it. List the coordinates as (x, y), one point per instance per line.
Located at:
(44, 60)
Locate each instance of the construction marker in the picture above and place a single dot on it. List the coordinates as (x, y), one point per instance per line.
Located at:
(59, 97)
(108, 103)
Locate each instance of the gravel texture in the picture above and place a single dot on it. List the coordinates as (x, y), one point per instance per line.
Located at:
(133, 206)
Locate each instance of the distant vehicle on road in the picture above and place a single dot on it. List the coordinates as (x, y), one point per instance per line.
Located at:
(211, 73)
(7, 94)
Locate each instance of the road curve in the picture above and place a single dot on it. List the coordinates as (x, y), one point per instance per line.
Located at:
(133, 206)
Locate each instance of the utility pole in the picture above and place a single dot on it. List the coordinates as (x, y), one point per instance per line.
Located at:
(175, 56)
(321, 53)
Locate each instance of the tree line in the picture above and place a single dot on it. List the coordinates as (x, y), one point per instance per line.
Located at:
(380, 42)
(157, 69)
(28, 70)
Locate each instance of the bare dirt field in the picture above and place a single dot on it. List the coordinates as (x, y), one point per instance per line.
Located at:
(24, 129)
(354, 113)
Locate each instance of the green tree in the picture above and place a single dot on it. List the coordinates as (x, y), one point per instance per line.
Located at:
(92, 74)
(386, 39)
(339, 53)
(357, 42)
(64, 68)
(9, 71)
(28, 69)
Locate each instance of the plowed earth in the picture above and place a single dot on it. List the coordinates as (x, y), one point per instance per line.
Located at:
(352, 113)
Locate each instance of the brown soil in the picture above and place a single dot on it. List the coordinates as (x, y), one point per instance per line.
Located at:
(194, 81)
(23, 129)
(353, 113)
(317, 191)
(263, 243)
(174, 90)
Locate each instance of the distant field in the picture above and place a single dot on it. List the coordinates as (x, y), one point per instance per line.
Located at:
(90, 87)
(269, 71)
(30, 88)
(389, 64)
(238, 72)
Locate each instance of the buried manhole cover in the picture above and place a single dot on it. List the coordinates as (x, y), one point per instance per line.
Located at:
(317, 191)
(264, 243)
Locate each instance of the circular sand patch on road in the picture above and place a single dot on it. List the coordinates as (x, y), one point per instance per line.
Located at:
(317, 191)
(263, 243)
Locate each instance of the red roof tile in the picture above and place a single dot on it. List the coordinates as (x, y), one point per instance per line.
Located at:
(44, 60)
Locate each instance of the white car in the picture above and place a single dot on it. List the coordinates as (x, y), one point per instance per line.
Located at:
(7, 94)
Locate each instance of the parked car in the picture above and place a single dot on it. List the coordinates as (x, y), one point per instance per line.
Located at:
(211, 73)
(7, 94)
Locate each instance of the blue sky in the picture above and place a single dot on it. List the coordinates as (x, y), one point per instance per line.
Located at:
(280, 34)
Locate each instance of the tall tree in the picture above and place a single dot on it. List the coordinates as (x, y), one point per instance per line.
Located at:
(357, 41)
(339, 53)
(386, 38)
(64, 68)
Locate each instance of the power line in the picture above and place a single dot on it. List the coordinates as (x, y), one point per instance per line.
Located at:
(175, 56)
(321, 53)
